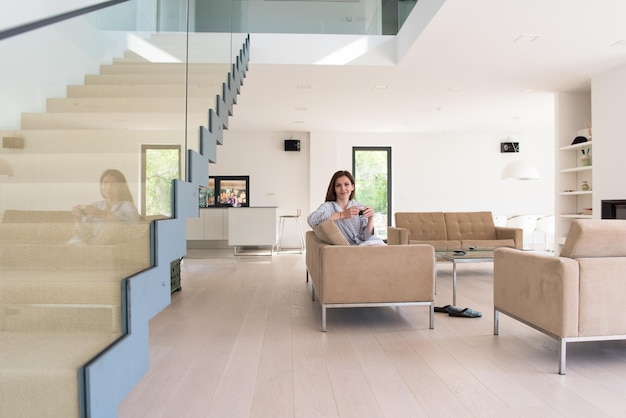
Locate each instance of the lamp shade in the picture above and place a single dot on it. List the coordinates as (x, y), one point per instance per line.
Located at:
(519, 170)
(5, 168)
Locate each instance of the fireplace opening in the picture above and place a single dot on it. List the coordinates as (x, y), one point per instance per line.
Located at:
(614, 209)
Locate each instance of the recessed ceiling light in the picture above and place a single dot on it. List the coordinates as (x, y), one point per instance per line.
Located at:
(300, 109)
(298, 121)
(380, 87)
(527, 37)
(621, 42)
(303, 86)
(528, 91)
(454, 89)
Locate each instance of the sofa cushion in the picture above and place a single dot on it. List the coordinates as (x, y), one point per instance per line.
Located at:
(423, 226)
(470, 225)
(595, 238)
(487, 243)
(439, 245)
(328, 232)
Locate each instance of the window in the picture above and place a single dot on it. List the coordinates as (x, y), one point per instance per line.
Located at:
(371, 167)
(159, 166)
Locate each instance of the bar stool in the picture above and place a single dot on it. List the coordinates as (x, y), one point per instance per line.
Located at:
(279, 247)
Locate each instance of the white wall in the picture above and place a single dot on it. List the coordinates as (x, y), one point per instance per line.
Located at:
(277, 177)
(450, 172)
(608, 100)
(447, 172)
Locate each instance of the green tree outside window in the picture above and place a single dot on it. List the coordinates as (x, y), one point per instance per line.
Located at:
(161, 166)
(372, 175)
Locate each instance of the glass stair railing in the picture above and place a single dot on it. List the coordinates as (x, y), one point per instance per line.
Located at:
(145, 90)
(79, 277)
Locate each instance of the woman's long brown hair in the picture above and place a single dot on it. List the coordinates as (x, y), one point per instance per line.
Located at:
(331, 195)
(124, 194)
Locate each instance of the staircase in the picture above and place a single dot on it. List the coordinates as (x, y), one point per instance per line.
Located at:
(69, 347)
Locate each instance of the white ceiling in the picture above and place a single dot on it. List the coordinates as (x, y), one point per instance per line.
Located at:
(487, 65)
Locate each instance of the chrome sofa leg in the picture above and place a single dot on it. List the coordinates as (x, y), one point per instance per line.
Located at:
(431, 324)
(562, 354)
(496, 321)
(323, 318)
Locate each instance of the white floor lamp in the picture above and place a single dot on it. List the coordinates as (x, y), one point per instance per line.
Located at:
(519, 170)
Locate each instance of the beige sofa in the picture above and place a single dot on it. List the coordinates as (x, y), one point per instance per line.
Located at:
(348, 276)
(452, 230)
(577, 296)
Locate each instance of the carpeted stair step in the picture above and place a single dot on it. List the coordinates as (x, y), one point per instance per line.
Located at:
(142, 90)
(138, 79)
(39, 372)
(219, 70)
(138, 120)
(61, 301)
(131, 104)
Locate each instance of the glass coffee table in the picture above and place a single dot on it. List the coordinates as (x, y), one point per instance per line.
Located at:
(479, 255)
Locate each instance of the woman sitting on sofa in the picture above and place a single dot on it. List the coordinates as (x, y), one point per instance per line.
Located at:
(117, 205)
(354, 220)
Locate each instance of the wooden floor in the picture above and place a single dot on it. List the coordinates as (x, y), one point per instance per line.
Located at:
(243, 339)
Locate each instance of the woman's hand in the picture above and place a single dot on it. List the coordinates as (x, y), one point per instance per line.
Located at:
(93, 211)
(78, 211)
(368, 211)
(352, 211)
(349, 212)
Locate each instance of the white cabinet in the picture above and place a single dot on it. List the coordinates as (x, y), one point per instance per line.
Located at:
(575, 185)
(245, 226)
(215, 224)
(254, 226)
(195, 228)
(212, 224)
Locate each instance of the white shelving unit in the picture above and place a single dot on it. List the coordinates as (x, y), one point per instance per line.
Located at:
(571, 175)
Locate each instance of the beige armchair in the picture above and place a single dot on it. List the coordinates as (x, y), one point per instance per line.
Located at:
(572, 297)
(345, 276)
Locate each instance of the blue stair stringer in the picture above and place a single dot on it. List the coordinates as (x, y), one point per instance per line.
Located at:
(108, 378)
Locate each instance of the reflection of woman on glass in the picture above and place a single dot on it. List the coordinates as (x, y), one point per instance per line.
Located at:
(232, 199)
(117, 205)
(354, 220)
(242, 197)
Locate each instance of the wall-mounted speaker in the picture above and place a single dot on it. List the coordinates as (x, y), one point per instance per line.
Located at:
(292, 145)
(509, 146)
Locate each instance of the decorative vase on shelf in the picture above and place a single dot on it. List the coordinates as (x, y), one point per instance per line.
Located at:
(585, 186)
(585, 159)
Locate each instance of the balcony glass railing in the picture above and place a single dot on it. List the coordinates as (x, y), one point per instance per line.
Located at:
(360, 17)
(96, 114)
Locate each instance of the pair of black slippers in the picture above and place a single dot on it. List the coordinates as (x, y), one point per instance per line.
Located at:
(454, 311)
